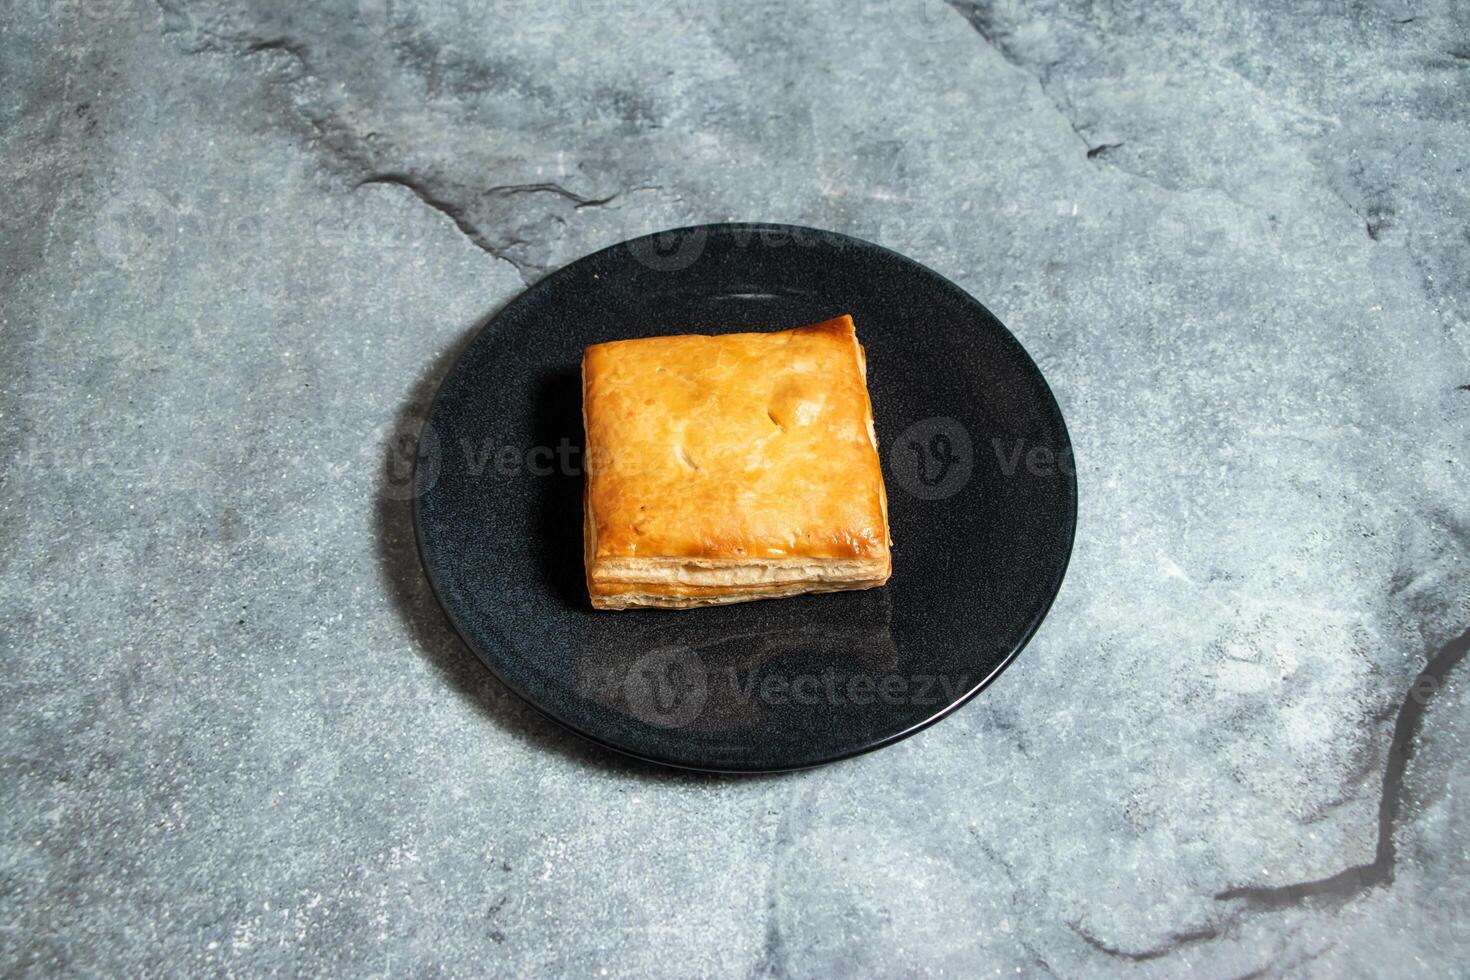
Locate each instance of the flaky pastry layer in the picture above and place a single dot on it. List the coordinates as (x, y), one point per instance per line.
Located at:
(689, 597)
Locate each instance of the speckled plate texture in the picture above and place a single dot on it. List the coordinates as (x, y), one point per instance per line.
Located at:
(981, 487)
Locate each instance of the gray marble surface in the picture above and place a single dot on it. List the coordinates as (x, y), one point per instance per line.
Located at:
(241, 239)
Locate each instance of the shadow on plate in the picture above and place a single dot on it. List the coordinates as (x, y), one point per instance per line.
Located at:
(559, 417)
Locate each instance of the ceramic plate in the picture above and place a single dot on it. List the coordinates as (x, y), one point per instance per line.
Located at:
(982, 505)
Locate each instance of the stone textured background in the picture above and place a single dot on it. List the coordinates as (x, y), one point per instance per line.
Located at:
(241, 241)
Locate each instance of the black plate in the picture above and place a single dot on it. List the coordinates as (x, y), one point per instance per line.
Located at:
(982, 501)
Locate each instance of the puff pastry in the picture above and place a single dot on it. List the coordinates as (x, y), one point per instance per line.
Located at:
(732, 467)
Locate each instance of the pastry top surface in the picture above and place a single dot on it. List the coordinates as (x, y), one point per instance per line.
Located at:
(735, 446)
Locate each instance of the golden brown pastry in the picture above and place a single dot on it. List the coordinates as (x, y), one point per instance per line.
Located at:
(734, 467)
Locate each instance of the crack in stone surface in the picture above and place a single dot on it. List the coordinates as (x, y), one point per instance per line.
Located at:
(453, 212)
(1354, 881)
(1009, 871)
(980, 18)
(295, 49)
(1175, 942)
(358, 157)
(506, 190)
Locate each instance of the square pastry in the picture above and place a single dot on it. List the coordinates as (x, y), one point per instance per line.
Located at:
(732, 467)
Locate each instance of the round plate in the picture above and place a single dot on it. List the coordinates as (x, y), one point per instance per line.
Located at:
(982, 506)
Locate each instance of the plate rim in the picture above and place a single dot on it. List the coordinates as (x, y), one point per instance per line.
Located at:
(713, 768)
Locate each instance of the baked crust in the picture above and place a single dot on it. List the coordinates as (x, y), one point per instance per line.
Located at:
(731, 467)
